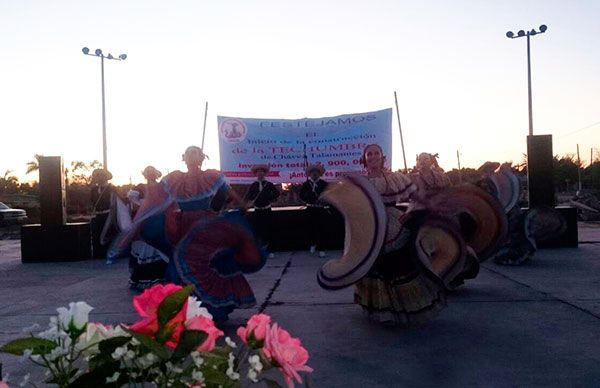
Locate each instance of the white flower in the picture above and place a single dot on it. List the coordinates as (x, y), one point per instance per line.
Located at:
(194, 309)
(32, 328)
(197, 358)
(66, 344)
(133, 342)
(78, 313)
(229, 342)
(113, 378)
(231, 360)
(253, 375)
(26, 354)
(56, 353)
(198, 376)
(231, 374)
(93, 334)
(119, 352)
(130, 355)
(255, 363)
(52, 334)
(147, 360)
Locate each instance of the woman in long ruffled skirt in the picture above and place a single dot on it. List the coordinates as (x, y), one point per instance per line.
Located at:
(205, 247)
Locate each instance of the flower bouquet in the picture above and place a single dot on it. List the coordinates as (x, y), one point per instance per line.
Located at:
(174, 344)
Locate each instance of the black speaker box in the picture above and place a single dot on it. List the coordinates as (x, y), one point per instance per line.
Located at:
(52, 191)
(288, 229)
(570, 238)
(539, 171)
(47, 243)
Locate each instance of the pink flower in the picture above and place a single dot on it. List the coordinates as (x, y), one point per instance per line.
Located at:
(3, 385)
(287, 353)
(147, 304)
(258, 325)
(206, 325)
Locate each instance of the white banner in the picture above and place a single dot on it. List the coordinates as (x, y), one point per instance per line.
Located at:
(286, 145)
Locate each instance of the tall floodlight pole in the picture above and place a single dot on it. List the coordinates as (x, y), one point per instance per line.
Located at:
(98, 53)
(521, 34)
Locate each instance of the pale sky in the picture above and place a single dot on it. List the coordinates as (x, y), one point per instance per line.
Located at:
(461, 83)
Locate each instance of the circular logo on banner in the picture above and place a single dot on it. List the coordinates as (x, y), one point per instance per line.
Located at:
(233, 130)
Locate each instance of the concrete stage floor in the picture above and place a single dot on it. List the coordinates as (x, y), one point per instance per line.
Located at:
(529, 326)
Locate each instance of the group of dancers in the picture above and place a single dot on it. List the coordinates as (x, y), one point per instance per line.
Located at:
(410, 238)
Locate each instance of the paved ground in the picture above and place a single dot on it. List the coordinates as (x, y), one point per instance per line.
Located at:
(533, 325)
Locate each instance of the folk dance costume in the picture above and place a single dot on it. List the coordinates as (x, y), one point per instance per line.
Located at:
(315, 211)
(206, 249)
(403, 263)
(430, 180)
(102, 197)
(525, 229)
(427, 175)
(396, 290)
(261, 194)
(149, 253)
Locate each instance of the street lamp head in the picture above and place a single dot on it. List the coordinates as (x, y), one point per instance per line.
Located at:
(543, 28)
(510, 34)
(123, 57)
(98, 52)
(533, 32)
(521, 33)
(85, 50)
(110, 56)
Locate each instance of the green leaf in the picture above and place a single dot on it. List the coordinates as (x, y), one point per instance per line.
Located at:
(97, 377)
(164, 334)
(151, 345)
(106, 348)
(189, 341)
(214, 358)
(109, 345)
(222, 351)
(215, 378)
(38, 345)
(172, 305)
(98, 360)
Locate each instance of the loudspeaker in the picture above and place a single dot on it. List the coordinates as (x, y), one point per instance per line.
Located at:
(48, 243)
(52, 191)
(539, 171)
(570, 237)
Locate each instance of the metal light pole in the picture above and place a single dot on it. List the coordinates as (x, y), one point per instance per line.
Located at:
(98, 53)
(521, 34)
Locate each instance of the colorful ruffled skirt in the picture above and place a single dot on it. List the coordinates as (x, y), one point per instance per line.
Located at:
(212, 255)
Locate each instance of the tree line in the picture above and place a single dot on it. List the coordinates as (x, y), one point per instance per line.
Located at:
(566, 170)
